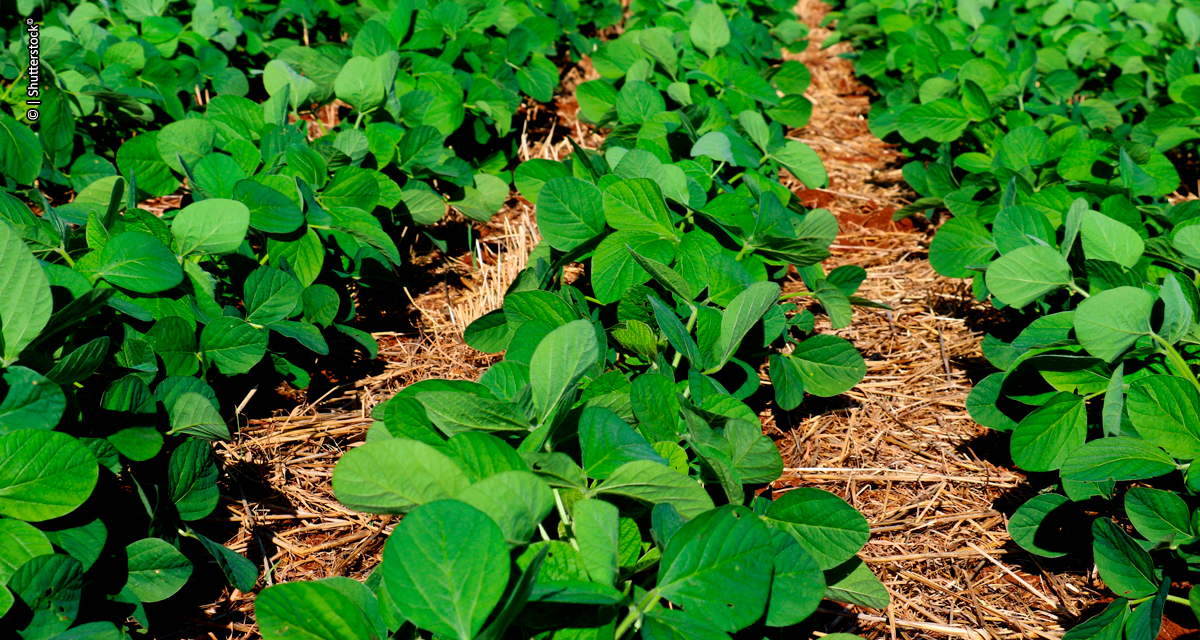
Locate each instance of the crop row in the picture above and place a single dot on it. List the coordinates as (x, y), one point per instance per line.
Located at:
(1047, 131)
(587, 465)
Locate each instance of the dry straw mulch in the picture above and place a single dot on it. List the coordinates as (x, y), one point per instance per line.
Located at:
(936, 488)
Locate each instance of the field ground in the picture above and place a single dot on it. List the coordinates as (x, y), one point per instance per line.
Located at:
(900, 447)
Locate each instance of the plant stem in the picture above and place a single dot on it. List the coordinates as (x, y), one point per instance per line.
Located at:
(690, 323)
(793, 295)
(1075, 288)
(1170, 598)
(562, 508)
(717, 170)
(1177, 362)
(470, 241)
(636, 612)
(562, 514)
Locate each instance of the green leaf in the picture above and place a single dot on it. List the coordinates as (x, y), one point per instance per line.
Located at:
(1114, 402)
(31, 401)
(233, 344)
(615, 268)
(1159, 515)
(156, 569)
(709, 29)
(272, 295)
(280, 79)
(655, 483)
(755, 456)
(20, 152)
(194, 414)
(638, 102)
(530, 176)
(210, 227)
(607, 442)
(142, 165)
(321, 304)
(673, 624)
(1020, 226)
(396, 476)
(570, 212)
(830, 530)
(19, 541)
(718, 567)
(1107, 239)
(489, 333)
(518, 597)
(50, 586)
(359, 84)
(664, 275)
(943, 120)
(1037, 526)
(174, 340)
(139, 262)
(797, 583)
(639, 338)
(1108, 625)
(802, 162)
(44, 474)
(436, 581)
(982, 404)
(538, 78)
(309, 611)
(215, 176)
(238, 570)
(1177, 309)
(517, 501)
(715, 145)
(597, 528)
(676, 333)
(481, 201)
(1109, 322)
(1044, 438)
(852, 582)
(137, 443)
(25, 302)
(1117, 458)
(638, 205)
(187, 140)
(742, 314)
(1165, 410)
(786, 380)
(270, 210)
(828, 365)
(794, 111)
(1026, 274)
(558, 364)
(456, 412)
(84, 542)
(1124, 566)
(192, 479)
(557, 469)
(544, 306)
